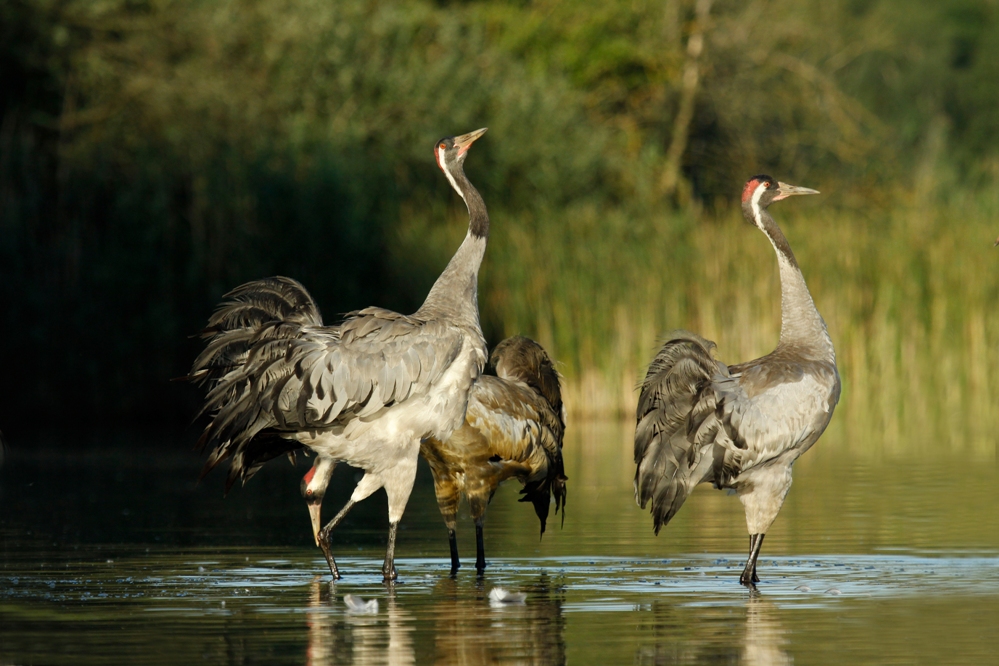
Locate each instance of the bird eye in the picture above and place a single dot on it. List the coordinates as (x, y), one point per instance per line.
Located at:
(309, 492)
(442, 145)
(767, 184)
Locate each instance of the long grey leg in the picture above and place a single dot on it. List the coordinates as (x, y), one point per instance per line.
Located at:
(452, 538)
(324, 538)
(388, 569)
(480, 548)
(749, 576)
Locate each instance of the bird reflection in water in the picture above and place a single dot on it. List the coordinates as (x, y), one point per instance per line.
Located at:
(470, 631)
(765, 637)
(751, 635)
(339, 638)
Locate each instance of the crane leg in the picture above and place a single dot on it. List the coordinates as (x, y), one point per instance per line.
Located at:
(452, 538)
(749, 577)
(480, 548)
(388, 569)
(324, 538)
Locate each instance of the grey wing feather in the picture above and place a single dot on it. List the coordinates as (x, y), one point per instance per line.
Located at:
(675, 423)
(249, 309)
(289, 375)
(322, 377)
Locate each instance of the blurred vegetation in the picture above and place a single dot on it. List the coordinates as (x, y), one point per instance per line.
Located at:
(156, 153)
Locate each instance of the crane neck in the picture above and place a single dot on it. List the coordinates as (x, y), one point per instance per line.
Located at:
(455, 293)
(802, 327)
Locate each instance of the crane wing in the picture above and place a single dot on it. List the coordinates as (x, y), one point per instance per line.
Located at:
(676, 423)
(699, 420)
(295, 375)
(248, 308)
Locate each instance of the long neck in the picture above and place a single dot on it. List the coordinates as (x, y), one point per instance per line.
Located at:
(456, 290)
(801, 324)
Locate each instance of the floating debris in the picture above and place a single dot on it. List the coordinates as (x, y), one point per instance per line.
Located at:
(499, 595)
(833, 590)
(359, 606)
(803, 588)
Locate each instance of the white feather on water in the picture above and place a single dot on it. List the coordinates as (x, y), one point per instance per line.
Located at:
(499, 596)
(358, 606)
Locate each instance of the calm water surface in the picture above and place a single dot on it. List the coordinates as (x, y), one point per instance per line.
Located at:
(112, 553)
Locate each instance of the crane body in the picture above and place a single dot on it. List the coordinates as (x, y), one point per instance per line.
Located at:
(513, 429)
(739, 427)
(364, 392)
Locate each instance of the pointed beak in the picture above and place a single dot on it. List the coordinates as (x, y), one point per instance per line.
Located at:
(314, 513)
(465, 141)
(792, 190)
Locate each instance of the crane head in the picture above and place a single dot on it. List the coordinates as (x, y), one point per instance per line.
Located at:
(314, 485)
(450, 151)
(761, 191)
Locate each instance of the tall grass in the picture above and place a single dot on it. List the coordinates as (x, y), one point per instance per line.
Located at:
(908, 294)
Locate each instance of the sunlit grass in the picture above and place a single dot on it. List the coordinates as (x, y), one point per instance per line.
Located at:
(908, 296)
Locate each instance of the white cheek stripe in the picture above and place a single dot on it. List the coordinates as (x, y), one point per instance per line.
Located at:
(755, 202)
(454, 184)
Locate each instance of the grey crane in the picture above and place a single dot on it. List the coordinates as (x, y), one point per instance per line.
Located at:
(513, 429)
(365, 392)
(740, 427)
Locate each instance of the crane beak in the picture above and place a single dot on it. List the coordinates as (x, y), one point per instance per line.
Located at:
(791, 190)
(314, 513)
(465, 141)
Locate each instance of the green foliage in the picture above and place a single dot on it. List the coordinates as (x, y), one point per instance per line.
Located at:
(156, 153)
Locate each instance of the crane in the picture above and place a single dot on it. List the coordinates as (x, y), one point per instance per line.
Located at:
(365, 392)
(513, 428)
(740, 427)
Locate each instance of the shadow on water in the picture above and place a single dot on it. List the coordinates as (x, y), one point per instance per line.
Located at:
(115, 554)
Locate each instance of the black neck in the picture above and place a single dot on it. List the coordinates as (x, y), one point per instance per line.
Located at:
(777, 237)
(478, 216)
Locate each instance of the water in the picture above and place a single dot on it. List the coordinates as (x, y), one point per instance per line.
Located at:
(114, 554)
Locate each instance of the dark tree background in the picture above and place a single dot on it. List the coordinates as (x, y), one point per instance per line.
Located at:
(156, 153)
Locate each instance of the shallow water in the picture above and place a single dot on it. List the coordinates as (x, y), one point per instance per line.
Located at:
(113, 553)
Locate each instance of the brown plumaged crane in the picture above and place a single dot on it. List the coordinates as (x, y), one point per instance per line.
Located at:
(739, 427)
(513, 428)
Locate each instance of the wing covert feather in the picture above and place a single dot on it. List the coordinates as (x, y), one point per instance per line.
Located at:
(676, 423)
(291, 374)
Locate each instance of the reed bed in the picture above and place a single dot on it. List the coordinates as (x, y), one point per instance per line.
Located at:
(908, 294)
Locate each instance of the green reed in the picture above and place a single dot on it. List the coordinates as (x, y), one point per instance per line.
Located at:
(908, 294)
